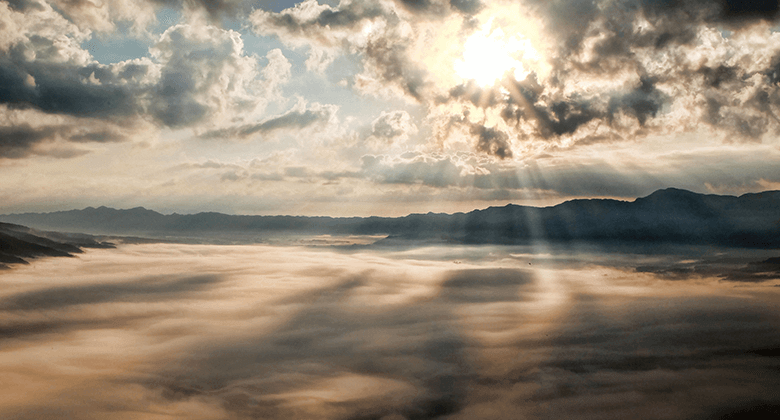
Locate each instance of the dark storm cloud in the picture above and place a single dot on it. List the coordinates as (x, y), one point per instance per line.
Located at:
(492, 141)
(468, 7)
(23, 140)
(722, 11)
(177, 104)
(18, 141)
(643, 103)
(69, 87)
(715, 77)
(439, 8)
(417, 5)
(773, 72)
(551, 119)
(216, 10)
(22, 5)
(558, 118)
(672, 21)
(61, 88)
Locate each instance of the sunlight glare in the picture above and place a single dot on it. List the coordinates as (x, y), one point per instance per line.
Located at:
(489, 54)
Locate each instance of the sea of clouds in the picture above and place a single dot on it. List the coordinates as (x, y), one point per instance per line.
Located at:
(162, 331)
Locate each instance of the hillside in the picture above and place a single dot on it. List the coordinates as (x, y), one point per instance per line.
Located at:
(20, 243)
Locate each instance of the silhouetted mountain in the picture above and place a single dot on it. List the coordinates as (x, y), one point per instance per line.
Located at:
(670, 215)
(20, 242)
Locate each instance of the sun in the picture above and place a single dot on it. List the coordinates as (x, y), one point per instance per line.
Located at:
(489, 54)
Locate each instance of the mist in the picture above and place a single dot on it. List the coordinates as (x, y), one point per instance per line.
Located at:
(161, 331)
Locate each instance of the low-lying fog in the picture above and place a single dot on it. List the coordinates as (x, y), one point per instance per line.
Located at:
(174, 331)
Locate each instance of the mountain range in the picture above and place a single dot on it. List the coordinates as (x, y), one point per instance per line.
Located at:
(668, 215)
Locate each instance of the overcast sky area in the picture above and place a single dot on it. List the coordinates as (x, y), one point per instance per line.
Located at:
(382, 107)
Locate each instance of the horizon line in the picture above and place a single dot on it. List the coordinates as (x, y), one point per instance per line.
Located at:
(389, 217)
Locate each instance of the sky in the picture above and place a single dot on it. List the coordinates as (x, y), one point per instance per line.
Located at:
(356, 108)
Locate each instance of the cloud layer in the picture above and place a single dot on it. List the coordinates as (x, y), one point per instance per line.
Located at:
(213, 332)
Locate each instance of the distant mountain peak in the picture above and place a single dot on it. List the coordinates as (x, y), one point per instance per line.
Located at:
(671, 192)
(111, 210)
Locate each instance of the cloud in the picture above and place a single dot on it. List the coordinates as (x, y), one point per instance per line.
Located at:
(467, 6)
(492, 141)
(196, 74)
(378, 32)
(18, 141)
(628, 36)
(195, 71)
(438, 173)
(597, 77)
(433, 359)
(597, 178)
(24, 140)
(391, 128)
(296, 119)
(728, 268)
(105, 17)
(142, 290)
(611, 71)
(485, 285)
(44, 68)
(355, 335)
(204, 74)
(102, 136)
(300, 25)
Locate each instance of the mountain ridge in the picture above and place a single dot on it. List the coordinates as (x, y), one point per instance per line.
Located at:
(19, 243)
(662, 191)
(672, 214)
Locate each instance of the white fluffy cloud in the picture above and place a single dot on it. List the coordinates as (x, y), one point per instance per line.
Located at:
(205, 75)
